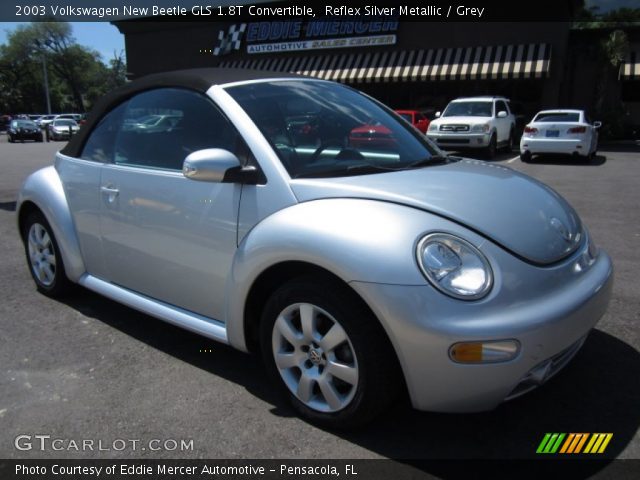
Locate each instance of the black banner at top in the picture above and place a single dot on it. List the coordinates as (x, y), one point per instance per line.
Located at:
(257, 10)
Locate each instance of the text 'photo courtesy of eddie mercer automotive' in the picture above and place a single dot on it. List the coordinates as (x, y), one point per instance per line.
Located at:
(206, 468)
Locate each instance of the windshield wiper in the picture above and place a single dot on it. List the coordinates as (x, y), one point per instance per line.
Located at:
(351, 170)
(433, 160)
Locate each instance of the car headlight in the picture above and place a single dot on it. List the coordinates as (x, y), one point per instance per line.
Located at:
(433, 127)
(482, 128)
(454, 266)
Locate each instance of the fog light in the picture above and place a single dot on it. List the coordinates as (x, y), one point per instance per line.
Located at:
(484, 352)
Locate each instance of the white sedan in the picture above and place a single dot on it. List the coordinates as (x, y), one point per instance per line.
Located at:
(560, 132)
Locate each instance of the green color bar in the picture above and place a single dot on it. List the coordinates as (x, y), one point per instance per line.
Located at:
(543, 443)
(547, 449)
(557, 445)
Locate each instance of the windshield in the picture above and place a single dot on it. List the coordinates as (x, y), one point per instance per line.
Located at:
(25, 123)
(557, 117)
(323, 129)
(406, 116)
(468, 109)
(64, 123)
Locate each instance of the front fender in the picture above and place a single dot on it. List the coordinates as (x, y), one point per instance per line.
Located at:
(44, 189)
(356, 240)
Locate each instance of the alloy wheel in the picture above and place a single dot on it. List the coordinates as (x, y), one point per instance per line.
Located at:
(42, 254)
(315, 357)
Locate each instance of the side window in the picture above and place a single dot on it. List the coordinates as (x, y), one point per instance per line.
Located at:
(161, 127)
(501, 107)
(100, 146)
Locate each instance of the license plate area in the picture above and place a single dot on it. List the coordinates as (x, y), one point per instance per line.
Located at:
(553, 133)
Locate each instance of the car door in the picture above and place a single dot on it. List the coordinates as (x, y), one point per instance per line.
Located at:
(163, 235)
(503, 125)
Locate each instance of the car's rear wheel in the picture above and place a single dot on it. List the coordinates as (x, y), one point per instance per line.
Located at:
(328, 354)
(509, 146)
(525, 156)
(43, 256)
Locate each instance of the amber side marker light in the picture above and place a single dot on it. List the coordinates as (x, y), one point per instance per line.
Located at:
(484, 352)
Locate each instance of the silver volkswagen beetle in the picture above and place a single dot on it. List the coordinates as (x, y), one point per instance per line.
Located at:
(304, 220)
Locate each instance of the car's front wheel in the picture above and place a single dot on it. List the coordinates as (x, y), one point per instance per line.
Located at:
(328, 353)
(43, 256)
(492, 148)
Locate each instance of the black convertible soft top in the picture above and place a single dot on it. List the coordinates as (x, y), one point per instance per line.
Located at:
(199, 79)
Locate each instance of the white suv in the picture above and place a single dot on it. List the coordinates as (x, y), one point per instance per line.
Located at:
(475, 122)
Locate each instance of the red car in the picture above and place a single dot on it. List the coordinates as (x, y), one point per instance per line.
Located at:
(372, 136)
(415, 118)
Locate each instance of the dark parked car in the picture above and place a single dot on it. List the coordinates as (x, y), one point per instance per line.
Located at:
(21, 130)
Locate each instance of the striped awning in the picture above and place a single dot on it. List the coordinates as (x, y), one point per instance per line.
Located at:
(630, 69)
(472, 63)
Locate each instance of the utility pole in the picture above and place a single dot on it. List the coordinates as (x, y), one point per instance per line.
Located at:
(46, 76)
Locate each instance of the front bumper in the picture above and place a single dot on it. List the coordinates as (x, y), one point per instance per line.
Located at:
(454, 140)
(567, 146)
(27, 135)
(549, 325)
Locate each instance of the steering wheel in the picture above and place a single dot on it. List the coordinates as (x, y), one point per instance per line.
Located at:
(350, 153)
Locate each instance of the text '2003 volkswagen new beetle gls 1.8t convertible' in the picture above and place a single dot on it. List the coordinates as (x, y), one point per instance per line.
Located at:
(356, 270)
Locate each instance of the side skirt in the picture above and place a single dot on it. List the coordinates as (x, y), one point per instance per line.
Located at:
(193, 322)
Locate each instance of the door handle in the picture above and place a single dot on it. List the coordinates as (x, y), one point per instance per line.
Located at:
(111, 193)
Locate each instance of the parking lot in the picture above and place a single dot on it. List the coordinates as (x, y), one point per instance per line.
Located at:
(88, 368)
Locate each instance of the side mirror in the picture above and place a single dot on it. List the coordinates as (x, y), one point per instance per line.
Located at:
(502, 114)
(438, 114)
(597, 124)
(219, 166)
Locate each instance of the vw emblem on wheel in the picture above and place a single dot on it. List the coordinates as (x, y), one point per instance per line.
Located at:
(315, 357)
(561, 229)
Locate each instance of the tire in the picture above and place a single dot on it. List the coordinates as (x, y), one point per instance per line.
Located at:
(10, 139)
(43, 257)
(343, 338)
(491, 150)
(526, 156)
(509, 146)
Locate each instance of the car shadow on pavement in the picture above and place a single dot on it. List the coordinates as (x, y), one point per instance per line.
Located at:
(596, 393)
(8, 206)
(596, 161)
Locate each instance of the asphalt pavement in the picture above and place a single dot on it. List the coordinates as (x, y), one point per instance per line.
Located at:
(88, 368)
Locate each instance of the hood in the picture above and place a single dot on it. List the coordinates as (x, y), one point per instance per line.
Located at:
(519, 213)
(461, 119)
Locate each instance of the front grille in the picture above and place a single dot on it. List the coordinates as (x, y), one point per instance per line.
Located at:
(545, 370)
(460, 141)
(454, 127)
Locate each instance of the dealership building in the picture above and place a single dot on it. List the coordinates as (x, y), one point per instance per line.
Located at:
(406, 64)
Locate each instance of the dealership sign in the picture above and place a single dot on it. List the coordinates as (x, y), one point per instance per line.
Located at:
(319, 44)
(273, 37)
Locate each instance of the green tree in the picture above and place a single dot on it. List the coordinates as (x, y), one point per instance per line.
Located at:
(613, 50)
(77, 75)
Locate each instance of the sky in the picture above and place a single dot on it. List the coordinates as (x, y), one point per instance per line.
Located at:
(100, 36)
